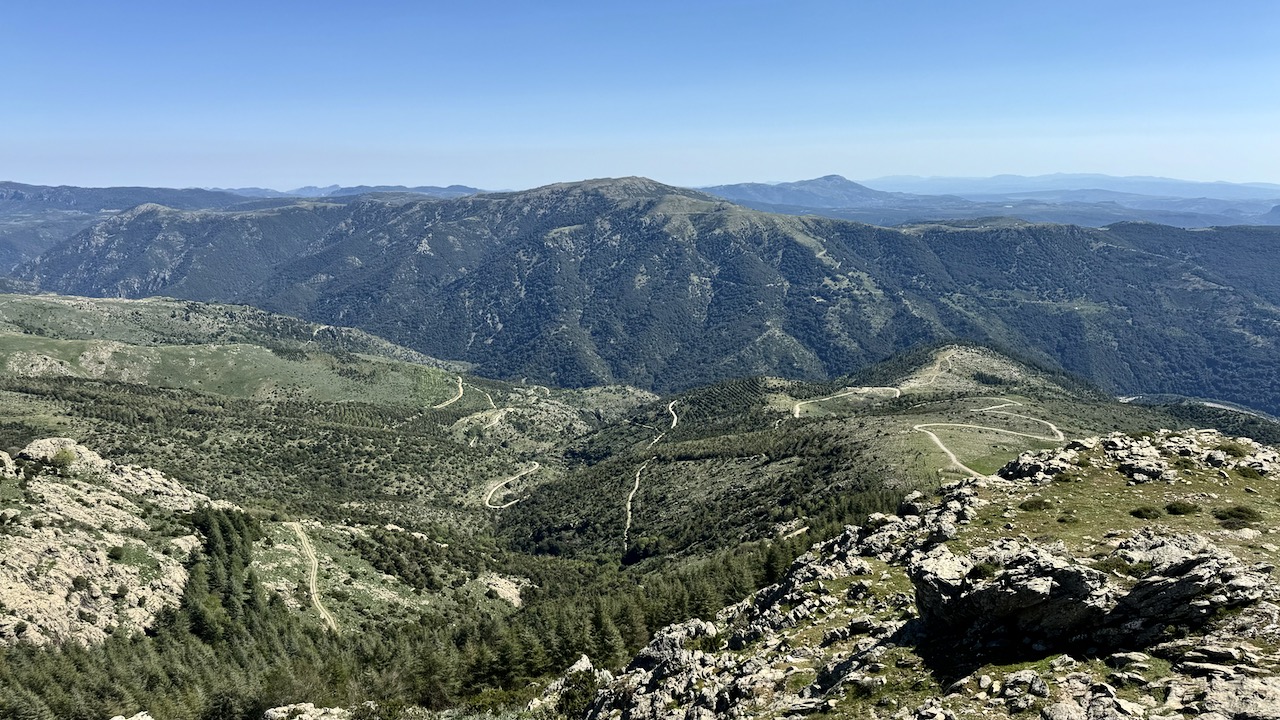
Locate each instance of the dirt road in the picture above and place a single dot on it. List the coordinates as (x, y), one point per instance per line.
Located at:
(453, 399)
(309, 553)
(488, 498)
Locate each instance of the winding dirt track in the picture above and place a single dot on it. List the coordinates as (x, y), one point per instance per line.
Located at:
(487, 396)
(453, 399)
(941, 366)
(488, 498)
(635, 488)
(994, 409)
(310, 554)
(795, 411)
(626, 527)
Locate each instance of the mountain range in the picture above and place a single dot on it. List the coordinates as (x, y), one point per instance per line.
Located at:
(216, 511)
(343, 191)
(631, 281)
(1138, 184)
(1070, 199)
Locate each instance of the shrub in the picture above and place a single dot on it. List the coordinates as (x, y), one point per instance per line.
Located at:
(79, 583)
(1146, 512)
(63, 459)
(1248, 473)
(1035, 504)
(579, 690)
(1233, 449)
(1068, 519)
(1115, 563)
(984, 570)
(986, 378)
(116, 553)
(1237, 517)
(1182, 507)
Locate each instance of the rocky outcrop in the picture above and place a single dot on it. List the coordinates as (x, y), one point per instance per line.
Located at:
(77, 558)
(551, 696)
(145, 485)
(905, 604)
(1150, 457)
(1034, 597)
(1009, 593)
(305, 711)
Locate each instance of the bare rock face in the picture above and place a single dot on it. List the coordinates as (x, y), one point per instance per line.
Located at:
(1012, 592)
(77, 559)
(1034, 594)
(1190, 580)
(48, 449)
(1243, 698)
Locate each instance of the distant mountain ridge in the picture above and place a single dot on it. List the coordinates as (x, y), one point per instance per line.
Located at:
(827, 191)
(1076, 202)
(1139, 184)
(632, 281)
(342, 191)
(84, 199)
(33, 218)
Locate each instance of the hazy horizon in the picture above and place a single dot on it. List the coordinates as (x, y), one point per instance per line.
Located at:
(513, 95)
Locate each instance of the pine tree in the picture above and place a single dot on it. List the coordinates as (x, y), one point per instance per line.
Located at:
(610, 648)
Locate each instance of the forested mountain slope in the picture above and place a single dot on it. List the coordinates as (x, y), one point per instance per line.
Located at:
(635, 282)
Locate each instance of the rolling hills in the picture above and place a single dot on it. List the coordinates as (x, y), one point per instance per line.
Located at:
(420, 536)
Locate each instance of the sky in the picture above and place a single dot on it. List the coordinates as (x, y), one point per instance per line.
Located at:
(514, 94)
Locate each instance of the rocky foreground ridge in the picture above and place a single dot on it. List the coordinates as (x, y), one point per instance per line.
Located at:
(1118, 577)
(85, 548)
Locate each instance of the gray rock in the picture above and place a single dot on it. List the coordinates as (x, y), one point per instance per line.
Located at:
(1201, 669)
(1102, 708)
(1062, 711)
(1036, 594)
(1244, 699)
(1124, 659)
(1023, 682)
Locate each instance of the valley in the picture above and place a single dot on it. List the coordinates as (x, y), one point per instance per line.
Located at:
(630, 463)
(541, 361)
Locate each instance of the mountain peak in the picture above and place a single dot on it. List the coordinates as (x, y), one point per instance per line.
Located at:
(828, 191)
(631, 187)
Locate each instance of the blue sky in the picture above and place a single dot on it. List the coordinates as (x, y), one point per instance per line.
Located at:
(516, 94)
